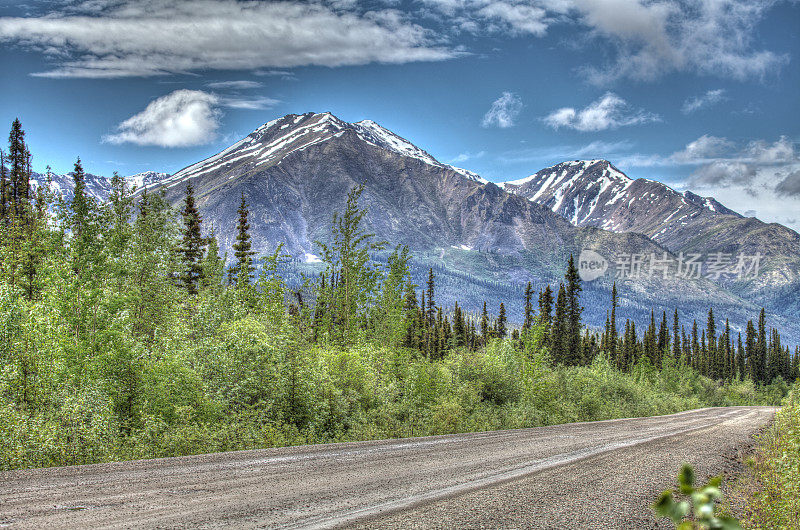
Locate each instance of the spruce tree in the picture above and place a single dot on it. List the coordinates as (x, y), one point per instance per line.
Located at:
(192, 245)
(612, 325)
(663, 336)
(676, 338)
(80, 201)
(242, 270)
(560, 328)
(485, 324)
(431, 308)
(4, 188)
(546, 312)
(761, 348)
(19, 170)
(528, 307)
(574, 311)
(459, 328)
(501, 322)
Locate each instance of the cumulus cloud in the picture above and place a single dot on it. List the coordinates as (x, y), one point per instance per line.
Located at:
(702, 149)
(709, 99)
(655, 38)
(783, 150)
(646, 39)
(608, 112)
(503, 111)
(179, 119)
(720, 161)
(122, 38)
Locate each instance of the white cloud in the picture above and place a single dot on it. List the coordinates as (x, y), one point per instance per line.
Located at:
(646, 39)
(247, 103)
(503, 111)
(701, 36)
(235, 85)
(710, 98)
(757, 165)
(179, 119)
(515, 18)
(122, 38)
(702, 149)
(780, 151)
(608, 112)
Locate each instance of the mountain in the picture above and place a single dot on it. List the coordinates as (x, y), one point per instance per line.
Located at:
(484, 242)
(595, 193)
(96, 186)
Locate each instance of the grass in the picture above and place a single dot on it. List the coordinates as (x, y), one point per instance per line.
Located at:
(767, 495)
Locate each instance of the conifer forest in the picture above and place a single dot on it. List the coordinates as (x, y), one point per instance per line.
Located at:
(126, 334)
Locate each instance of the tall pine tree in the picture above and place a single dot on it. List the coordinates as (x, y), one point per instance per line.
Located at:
(242, 270)
(192, 245)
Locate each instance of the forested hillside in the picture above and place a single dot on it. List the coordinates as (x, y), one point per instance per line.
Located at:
(126, 335)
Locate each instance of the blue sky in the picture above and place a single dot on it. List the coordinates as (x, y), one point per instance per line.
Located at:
(696, 93)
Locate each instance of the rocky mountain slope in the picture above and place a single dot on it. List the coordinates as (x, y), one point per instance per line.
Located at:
(484, 242)
(595, 193)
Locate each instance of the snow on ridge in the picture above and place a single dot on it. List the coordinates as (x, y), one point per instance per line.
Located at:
(301, 132)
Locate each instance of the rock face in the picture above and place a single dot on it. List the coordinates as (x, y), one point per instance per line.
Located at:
(595, 193)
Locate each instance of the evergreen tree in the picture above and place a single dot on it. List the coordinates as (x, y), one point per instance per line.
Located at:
(242, 271)
(431, 308)
(80, 201)
(4, 189)
(574, 311)
(676, 338)
(528, 307)
(19, 170)
(459, 328)
(761, 348)
(711, 337)
(192, 245)
(560, 328)
(501, 322)
(546, 312)
(485, 324)
(741, 369)
(663, 336)
(612, 336)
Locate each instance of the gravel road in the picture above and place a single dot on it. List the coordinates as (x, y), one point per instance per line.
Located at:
(583, 475)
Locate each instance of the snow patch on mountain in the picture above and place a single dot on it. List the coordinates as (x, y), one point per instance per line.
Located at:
(276, 139)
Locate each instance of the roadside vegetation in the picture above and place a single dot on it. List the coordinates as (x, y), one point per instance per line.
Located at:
(767, 494)
(125, 334)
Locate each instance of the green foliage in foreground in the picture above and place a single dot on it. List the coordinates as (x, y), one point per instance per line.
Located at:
(120, 338)
(699, 504)
(248, 383)
(774, 498)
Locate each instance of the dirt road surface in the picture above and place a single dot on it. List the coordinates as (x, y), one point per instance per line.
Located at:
(583, 475)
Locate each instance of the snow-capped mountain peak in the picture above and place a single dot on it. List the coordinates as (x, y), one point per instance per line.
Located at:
(595, 193)
(294, 133)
